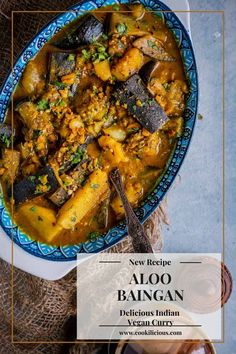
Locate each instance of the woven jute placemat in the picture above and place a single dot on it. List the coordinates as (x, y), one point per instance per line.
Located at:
(44, 310)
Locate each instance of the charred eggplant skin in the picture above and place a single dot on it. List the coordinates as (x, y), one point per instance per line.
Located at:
(59, 197)
(29, 187)
(140, 103)
(147, 70)
(60, 64)
(88, 30)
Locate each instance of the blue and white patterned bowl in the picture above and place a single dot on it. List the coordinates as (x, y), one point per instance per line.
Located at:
(115, 234)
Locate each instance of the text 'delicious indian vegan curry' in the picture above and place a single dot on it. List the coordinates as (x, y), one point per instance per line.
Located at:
(107, 91)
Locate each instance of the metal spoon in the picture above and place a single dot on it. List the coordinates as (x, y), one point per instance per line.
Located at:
(140, 241)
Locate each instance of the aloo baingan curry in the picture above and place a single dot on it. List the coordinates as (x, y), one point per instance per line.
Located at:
(107, 91)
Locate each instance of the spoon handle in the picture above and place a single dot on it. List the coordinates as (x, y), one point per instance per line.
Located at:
(140, 241)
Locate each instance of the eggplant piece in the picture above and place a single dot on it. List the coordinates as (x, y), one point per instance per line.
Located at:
(60, 64)
(6, 133)
(88, 30)
(153, 48)
(140, 103)
(32, 186)
(59, 197)
(78, 174)
(147, 70)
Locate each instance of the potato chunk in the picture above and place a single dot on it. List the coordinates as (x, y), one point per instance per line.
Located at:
(129, 64)
(31, 80)
(113, 151)
(84, 200)
(102, 70)
(41, 219)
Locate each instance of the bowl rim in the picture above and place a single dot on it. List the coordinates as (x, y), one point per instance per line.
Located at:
(151, 202)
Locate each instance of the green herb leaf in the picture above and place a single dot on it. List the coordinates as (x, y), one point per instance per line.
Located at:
(59, 84)
(133, 130)
(33, 209)
(151, 44)
(42, 105)
(166, 86)
(95, 90)
(121, 28)
(71, 57)
(151, 101)
(32, 178)
(78, 156)
(104, 36)
(5, 140)
(94, 185)
(62, 103)
(86, 54)
(116, 7)
(66, 183)
(93, 235)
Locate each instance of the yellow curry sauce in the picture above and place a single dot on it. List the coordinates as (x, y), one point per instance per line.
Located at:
(70, 119)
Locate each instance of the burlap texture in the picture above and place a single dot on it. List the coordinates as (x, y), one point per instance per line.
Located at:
(44, 310)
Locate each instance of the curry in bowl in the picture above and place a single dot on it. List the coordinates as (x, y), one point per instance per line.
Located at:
(107, 91)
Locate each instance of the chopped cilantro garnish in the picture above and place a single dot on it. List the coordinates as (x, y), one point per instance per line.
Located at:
(101, 49)
(59, 84)
(95, 90)
(121, 28)
(78, 156)
(33, 209)
(66, 183)
(62, 103)
(71, 57)
(43, 179)
(100, 53)
(43, 104)
(5, 140)
(94, 185)
(152, 44)
(133, 130)
(116, 7)
(32, 178)
(104, 36)
(93, 235)
(86, 54)
(166, 86)
(97, 57)
(151, 101)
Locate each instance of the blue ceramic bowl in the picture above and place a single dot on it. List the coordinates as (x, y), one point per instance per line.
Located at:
(117, 233)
